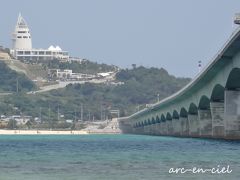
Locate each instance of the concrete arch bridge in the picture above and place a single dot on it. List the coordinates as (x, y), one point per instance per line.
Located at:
(209, 106)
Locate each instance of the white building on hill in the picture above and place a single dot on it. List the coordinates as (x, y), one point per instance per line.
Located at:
(22, 46)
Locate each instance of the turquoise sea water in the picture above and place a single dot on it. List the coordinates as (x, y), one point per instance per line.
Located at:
(113, 157)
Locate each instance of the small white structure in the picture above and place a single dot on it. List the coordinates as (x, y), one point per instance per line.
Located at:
(22, 46)
(67, 74)
(103, 74)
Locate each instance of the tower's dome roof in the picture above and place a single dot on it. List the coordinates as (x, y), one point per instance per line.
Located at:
(58, 48)
(51, 48)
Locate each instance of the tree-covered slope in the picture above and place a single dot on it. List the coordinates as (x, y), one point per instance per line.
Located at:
(141, 86)
(10, 80)
(144, 85)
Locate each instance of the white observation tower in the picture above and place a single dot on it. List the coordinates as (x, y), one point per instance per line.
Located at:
(21, 36)
(22, 46)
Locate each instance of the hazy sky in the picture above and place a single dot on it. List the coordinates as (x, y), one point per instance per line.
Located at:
(174, 34)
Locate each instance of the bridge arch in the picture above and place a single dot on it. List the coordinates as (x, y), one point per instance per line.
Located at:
(184, 122)
(163, 125)
(183, 112)
(192, 109)
(138, 124)
(205, 117)
(169, 124)
(232, 105)
(157, 119)
(176, 123)
(168, 117)
(217, 93)
(149, 122)
(135, 125)
(153, 120)
(145, 123)
(204, 103)
(233, 80)
(193, 122)
(175, 115)
(163, 119)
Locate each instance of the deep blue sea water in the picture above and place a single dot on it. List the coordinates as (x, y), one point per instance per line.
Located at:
(113, 157)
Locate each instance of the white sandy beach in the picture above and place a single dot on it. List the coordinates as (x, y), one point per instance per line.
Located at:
(40, 132)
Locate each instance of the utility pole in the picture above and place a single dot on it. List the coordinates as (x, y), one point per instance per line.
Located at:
(81, 112)
(17, 85)
(49, 116)
(40, 114)
(58, 113)
(199, 66)
(75, 115)
(13, 123)
(89, 115)
(104, 114)
(101, 112)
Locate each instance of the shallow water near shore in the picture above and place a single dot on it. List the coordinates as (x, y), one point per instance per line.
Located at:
(118, 157)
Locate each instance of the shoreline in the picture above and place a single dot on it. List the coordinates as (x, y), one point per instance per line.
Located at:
(54, 132)
(42, 132)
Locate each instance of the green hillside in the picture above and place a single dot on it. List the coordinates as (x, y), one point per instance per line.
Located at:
(141, 86)
(10, 79)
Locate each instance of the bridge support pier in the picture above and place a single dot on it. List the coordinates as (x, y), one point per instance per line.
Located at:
(141, 130)
(144, 129)
(164, 130)
(160, 129)
(134, 130)
(177, 129)
(157, 128)
(169, 127)
(151, 129)
(185, 126)
(194, 127)
(126, 127)
(205, 121)
(232, 114)
(217, 112)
